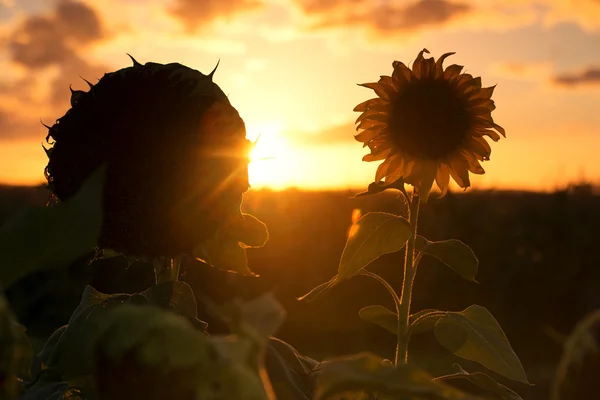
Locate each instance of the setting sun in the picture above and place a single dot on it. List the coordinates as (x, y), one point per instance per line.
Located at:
(270, 158)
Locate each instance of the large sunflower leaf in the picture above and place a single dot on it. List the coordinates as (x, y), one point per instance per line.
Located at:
(454, 253)
(475, 334)
(368, 372)
(486, 382)
(85, 323)
(388, 320)
(373, 235)
(224, 252)
(52, 237)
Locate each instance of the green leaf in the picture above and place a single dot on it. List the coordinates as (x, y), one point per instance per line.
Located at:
(427, 323)
(368, 372)
(475, 334)
(224, 252)
(80, 333)
(159, 339)
(174, 295)
(318, 291)
(250, 231)
(259, 318)
(379, 315)
(84, 325)
(227, 367)
(374, 234)
(52, 237)
(486, 382)
(454, 253)
(388, 319)
(15, 352)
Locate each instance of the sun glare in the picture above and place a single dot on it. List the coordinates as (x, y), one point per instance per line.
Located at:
(270, 159)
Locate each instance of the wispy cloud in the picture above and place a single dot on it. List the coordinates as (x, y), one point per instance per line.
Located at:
(586, 77)
(194, 14)
(382, 17)
(47, 48)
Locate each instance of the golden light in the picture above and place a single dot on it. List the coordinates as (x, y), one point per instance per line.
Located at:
(270, 164)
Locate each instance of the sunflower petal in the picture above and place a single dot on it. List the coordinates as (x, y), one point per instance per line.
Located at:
(369, 123)
(378, 88)
(500, 129)
(366, 136)
(480, 147)
(439, 65)
(365, 105)
(383, 168)
(377, 156)
(486, 132)
(402, 75)
(463, 78)
(420, 66)
(386, 80)
(395, 171)
(488, 104)
(423, 176)
(459, 170)
(452, 71)
(442, 178)
(474, 165)
(484, 93)
(370, 112)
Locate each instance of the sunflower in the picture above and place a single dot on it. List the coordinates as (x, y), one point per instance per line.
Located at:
(176, 155)
(427, 123)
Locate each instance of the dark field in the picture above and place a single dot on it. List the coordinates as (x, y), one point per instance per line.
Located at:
(539, 272)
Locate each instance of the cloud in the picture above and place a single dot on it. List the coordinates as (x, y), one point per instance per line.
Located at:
(44, 40)
(383, 17)
(540, 71)
(589, 76)
(193, 14)
(15, 127)
(47, 49)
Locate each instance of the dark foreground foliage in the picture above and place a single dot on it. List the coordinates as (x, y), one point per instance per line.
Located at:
(539, 272)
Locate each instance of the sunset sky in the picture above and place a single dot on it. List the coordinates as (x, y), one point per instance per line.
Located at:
(291, 67)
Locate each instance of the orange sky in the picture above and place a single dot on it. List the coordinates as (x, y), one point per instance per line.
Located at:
(290, 67)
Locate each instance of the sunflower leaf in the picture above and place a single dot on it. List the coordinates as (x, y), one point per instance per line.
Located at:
(319, 290)
(474, 334)
(379, 315)
(224, 252)
(368, 372)
(52, 237)
(454, 253)
(373, 235)
(485, 382)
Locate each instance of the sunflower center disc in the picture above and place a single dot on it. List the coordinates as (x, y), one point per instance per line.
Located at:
(428, 119)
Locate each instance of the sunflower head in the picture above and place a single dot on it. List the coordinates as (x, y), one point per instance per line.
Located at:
(427, 123)
(175, 150)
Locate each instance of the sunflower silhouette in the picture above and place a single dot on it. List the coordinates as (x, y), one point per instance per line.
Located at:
(427, 123)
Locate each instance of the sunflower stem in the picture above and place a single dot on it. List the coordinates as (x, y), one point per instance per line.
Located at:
(167, 270)
(410, 270)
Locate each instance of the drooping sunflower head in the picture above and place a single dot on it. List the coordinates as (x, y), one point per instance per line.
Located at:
(427, 123)
(175, 150)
